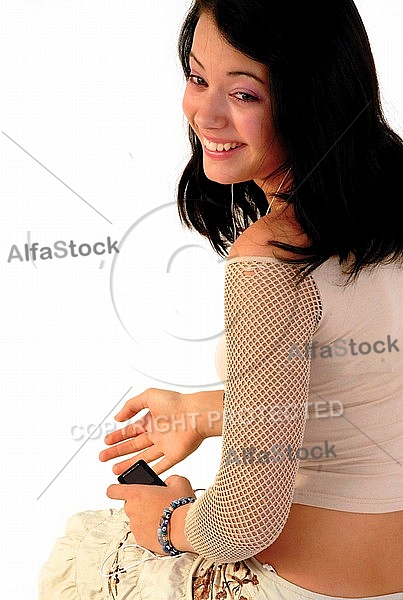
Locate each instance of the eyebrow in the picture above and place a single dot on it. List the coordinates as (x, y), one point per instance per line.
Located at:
(232, 73)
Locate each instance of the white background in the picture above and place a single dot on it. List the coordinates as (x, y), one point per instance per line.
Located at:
(92, 146)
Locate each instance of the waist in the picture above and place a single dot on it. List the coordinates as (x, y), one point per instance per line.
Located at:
(339, 553)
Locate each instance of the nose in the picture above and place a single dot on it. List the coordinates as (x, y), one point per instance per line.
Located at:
(212, 111)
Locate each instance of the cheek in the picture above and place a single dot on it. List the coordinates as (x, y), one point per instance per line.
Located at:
(266, 130)
(187, 106)
(266, 137)
(254, 126)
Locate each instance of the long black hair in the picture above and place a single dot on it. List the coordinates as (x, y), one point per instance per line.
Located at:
(346, 161)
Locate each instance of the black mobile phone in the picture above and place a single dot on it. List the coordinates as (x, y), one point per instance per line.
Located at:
(140, 472)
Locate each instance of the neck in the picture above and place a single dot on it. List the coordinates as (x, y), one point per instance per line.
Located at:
(273, 187)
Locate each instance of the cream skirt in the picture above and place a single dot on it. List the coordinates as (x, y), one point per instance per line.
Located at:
(98, 559)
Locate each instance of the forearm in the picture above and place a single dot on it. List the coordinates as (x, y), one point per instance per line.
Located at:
(208, 408)
(177, 529)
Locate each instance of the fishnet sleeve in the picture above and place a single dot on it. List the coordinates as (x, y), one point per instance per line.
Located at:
(268, 310)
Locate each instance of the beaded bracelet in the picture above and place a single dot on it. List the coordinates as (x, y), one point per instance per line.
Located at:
(163, 535)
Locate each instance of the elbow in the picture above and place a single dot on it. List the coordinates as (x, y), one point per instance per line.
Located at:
(232, 544)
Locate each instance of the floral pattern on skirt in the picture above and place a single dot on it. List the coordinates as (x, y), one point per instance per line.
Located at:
(228, 581)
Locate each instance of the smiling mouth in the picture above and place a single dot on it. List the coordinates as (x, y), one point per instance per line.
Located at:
(217, 147)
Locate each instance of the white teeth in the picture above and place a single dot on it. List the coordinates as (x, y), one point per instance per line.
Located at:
(214, 147)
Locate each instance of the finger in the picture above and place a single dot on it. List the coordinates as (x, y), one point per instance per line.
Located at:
(133, 406)
(121, 467)
(150, 457)
(178, 480)
(127, 432)
(163, 465)
(117, 491)
(130, 446)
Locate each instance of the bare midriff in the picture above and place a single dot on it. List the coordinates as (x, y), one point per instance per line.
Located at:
(339, 553)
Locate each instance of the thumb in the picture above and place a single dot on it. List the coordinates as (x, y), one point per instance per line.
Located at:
(181, 484)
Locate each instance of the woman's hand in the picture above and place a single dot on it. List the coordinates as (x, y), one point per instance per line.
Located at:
(144, 505)
(174, 426)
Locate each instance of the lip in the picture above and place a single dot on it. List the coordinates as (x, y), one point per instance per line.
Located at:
(219, 154)
(218, 140)
(223, 155)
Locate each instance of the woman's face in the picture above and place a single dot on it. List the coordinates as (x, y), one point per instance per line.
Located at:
(227, 104)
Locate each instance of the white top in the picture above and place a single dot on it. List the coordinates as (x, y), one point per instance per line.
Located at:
(356, 394)
(313, 410)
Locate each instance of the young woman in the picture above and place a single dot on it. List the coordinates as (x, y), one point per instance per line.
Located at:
(295, 171)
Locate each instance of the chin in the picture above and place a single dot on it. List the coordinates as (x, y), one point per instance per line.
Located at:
(223, 178)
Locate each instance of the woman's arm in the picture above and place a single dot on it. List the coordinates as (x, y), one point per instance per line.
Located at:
(268, 311)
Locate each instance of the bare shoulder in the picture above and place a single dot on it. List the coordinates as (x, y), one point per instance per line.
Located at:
(281, 226)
